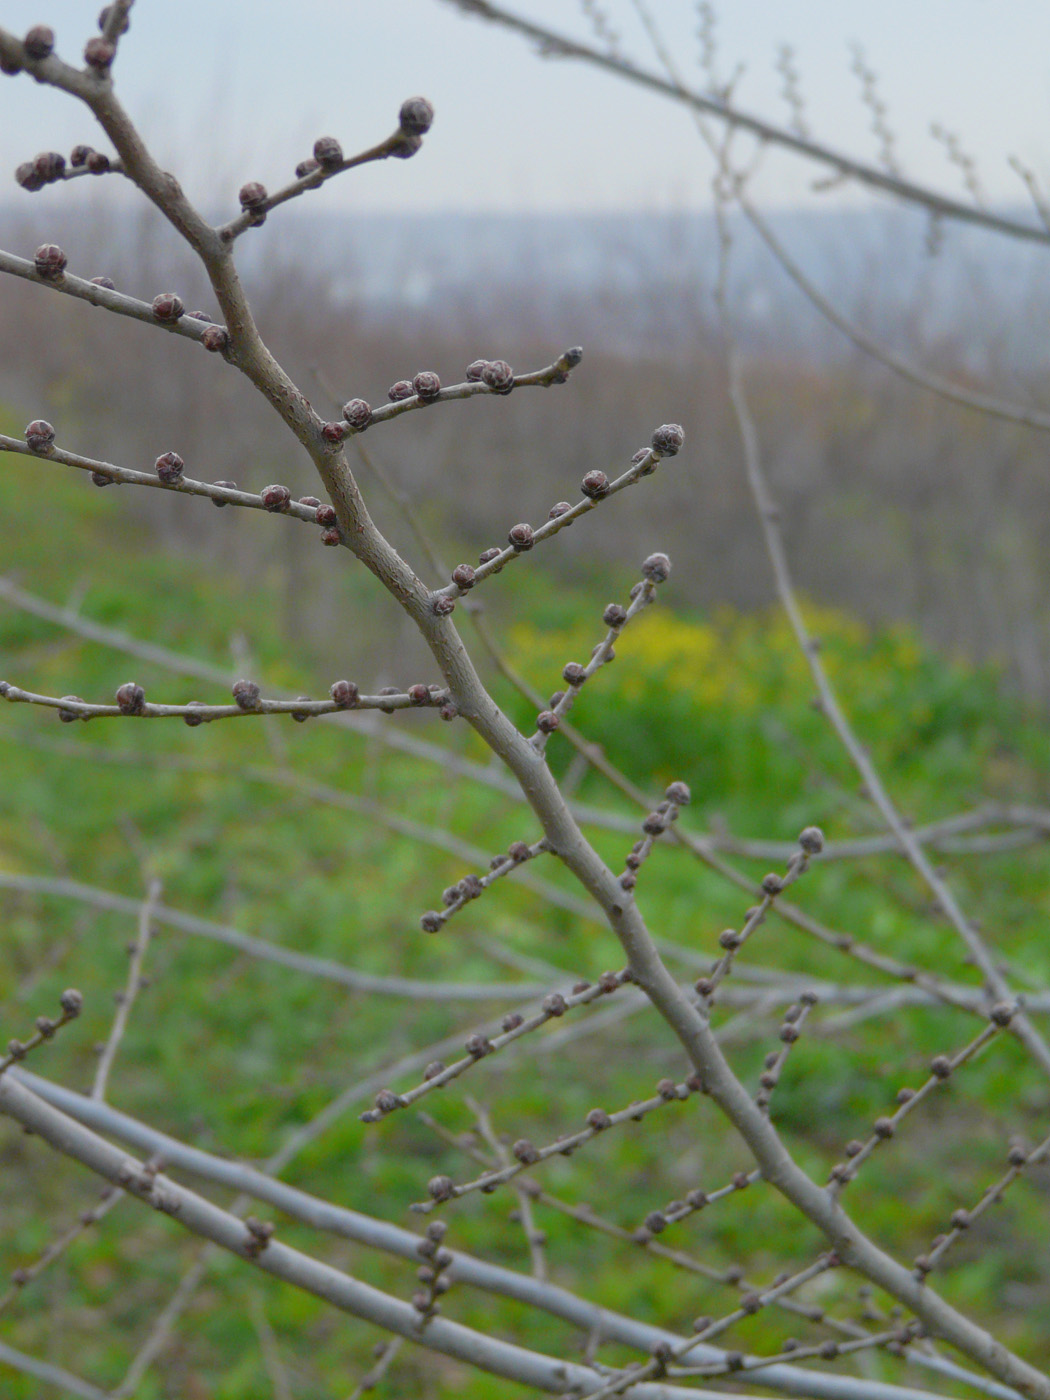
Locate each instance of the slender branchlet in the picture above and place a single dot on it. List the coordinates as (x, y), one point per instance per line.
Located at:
(942, 1067)
(656, 823)
(131, 703)
(810, 843)
(384, 1354)
(135, 983)
(26, 1273)
(962, 159)
(443, 1188)
(790, 1030)
(869, 92)
(695, 1200)
(962, 1220)
(70, 1003)
(473, 886)
(791, 90)
(478, 1046)
(328, 161)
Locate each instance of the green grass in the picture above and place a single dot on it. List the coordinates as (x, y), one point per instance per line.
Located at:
(232, 1054)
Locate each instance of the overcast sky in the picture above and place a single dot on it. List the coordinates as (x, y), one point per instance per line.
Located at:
(229, 90)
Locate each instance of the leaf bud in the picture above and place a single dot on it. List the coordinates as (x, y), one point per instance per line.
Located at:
(547, 721)
(463, 576)
(50, 166)
(615, 615)
(521, 536)
(167, 307)
(678, 793)
(940, 1066)
(40, 435)
(331, 538)
(192, 720)
(668, 439)
(39, 42)
(71, 1002)
(252, 195)
(595, 485)
(215, 338)
(358, 414)
(657, 568)
(554, 1005)
(327, 152)
(598, 1119)
(401, 390)
(50, 261)
(246, 694)
(443, 605)
(559, 509)
(511, 1022)
(525, 1152)
(131, 699)
(169, 466)
(98, 163)
(276, 498)
(326, 515)
(416, 116)
(487, 555)
(29, 177)
(70, 716)
(475, 371)
(78, 156)
(419, 694)
(431, 921)
(306, 167)
(345, 694)
(499, 376)
(99, 53)
(427, 385)
(440, 1188)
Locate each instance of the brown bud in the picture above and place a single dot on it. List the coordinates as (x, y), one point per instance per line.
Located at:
(328, 152)
(50, 261)
(386, 1101)
(326, 515)
(191, 720)
(333, 432)
(78, 156)
(99, 54)
(772, 884)
(276, 498)
(487, 555)
(419, 694)
(554, 1005)
(668, 439)
(595, 485)
(657, 568)
(169, 466)
(478, 1046)
(401, 390)
(215, 338)
(433, 1069)
(614, 616)
(306, 167)
(252, 195)
(131, 699)
(345, 694)
(416, 116)
(521, 536)
(512, 1021)
(98, 163)
(71, 1002)
(440, 1188)
(883, 1128)
(525, 1152)
(427, 385)
(168, 307)
(49, 166)
(559, 509)
(358, 414)
(475, 370)
(598, 1120)
(246, 694)
(940, 1066)
(39, 42)
(811, 839)
(656, 1222)
(1002, 1013)
(40, 435)
(29, 177)
(330, 538)
(1017, 1156)
(547, 721)
(499, 376)
(103, 20)
(443, 605)
(431, 921)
